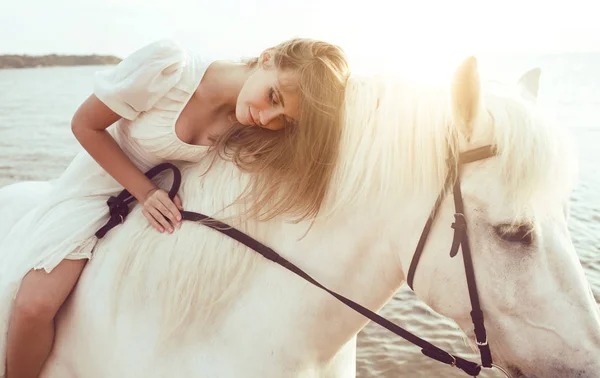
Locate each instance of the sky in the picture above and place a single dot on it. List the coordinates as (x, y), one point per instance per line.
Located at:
(373, 33)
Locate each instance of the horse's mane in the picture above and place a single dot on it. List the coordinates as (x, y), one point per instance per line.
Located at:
(397, 132)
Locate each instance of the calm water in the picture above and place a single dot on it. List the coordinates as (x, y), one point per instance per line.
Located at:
(36, 144)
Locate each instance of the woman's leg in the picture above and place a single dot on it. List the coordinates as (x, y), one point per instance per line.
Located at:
(31, 326)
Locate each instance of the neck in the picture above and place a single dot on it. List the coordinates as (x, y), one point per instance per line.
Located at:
(222, 83)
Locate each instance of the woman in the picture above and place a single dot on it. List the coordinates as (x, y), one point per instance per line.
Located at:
(276, 116)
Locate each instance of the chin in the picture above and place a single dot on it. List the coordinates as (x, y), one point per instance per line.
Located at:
(240, 119)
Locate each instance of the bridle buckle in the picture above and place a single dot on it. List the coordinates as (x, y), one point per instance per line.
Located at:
(459, 221)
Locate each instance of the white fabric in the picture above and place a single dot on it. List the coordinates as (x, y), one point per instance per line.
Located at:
(149, 89)
(139, 81)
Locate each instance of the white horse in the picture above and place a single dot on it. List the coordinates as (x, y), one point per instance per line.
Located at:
(199, 304)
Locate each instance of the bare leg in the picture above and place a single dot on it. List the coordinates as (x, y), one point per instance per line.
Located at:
(31, 326)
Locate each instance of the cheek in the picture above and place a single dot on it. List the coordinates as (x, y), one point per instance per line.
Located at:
(243, 95)
(256, 98)
(246, 99)
(251, 92)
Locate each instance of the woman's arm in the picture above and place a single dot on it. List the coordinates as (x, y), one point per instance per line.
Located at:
(89, 126)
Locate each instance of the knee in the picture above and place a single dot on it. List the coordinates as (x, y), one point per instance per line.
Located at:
(34, 307)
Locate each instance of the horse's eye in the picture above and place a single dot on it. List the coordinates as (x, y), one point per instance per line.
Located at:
(516, 233)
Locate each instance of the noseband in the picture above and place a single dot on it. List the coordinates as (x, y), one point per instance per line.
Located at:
(118, 209)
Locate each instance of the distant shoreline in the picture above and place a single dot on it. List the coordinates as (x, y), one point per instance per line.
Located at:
(54, 60)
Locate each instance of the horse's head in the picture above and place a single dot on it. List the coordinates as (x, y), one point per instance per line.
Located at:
(540, 314)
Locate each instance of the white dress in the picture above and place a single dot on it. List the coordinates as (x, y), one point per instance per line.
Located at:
(149, 89)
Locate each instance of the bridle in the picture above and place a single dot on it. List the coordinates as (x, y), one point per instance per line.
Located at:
(118, 208)
(460, 240)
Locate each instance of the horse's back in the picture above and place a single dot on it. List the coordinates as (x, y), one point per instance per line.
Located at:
(269, 330)
(239, 314)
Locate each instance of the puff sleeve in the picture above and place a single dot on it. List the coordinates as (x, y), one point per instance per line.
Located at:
(141, 79)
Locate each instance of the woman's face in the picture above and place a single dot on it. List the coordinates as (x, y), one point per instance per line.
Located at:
(269, 99)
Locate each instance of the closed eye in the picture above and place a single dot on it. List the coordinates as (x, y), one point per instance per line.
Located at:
(515, 233)
(272, 97)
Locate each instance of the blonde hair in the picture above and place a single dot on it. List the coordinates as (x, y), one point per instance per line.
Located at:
(291, 168)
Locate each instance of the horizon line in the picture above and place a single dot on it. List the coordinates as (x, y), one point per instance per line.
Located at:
(482, 53)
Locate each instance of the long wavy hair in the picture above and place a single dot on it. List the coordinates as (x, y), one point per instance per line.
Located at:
(291, 168)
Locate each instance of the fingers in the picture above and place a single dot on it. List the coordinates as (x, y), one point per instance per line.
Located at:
(152, 221)
(169, 209)
(160, 218)
(163, 213)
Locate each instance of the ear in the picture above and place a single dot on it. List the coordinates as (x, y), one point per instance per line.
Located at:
(266, 56)
(530, 83)
(466, 96)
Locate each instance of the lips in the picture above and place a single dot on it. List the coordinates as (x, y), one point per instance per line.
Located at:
(250, 118)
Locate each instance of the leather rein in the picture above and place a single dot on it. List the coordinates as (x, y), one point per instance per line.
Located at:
(119, 209)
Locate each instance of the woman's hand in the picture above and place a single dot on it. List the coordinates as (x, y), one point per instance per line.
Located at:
(89, 126)
(159, 210)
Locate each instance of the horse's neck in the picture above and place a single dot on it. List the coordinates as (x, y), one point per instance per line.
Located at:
(366, 250)
(398, 222)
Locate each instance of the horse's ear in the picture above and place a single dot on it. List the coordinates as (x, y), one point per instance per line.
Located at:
(466, 96)
(530, 83)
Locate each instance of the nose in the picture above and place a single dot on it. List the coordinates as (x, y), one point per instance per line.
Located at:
(266, 116)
